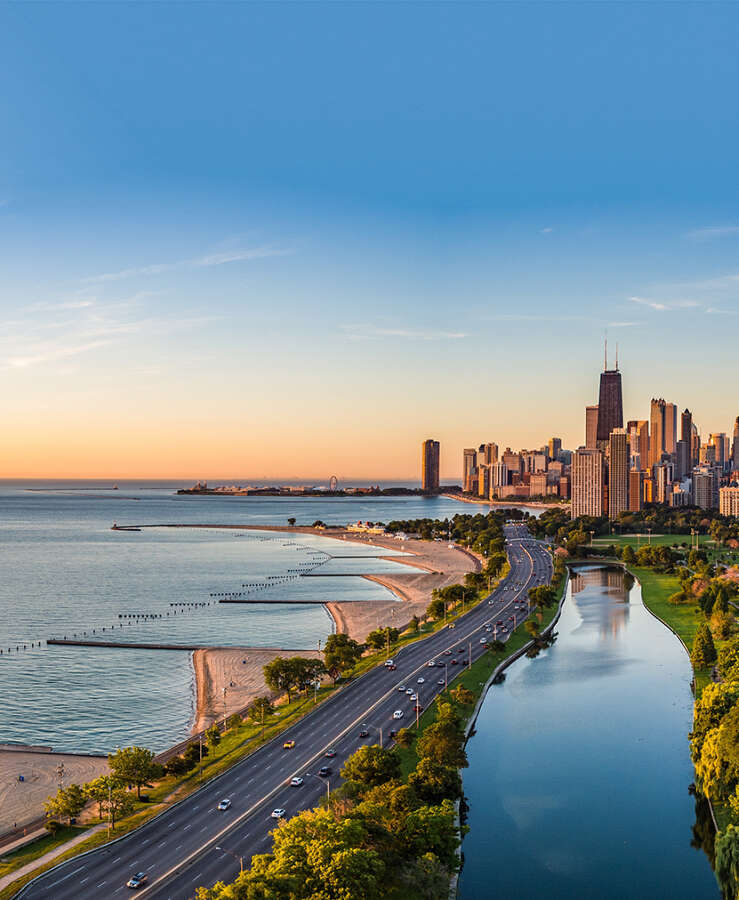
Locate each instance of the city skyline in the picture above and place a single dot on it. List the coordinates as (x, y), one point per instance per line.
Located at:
(176, 274)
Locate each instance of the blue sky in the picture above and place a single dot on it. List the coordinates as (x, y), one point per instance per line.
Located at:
(273, 236)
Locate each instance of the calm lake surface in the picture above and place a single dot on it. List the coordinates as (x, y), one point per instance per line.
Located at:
(579, 770)
(65, 572)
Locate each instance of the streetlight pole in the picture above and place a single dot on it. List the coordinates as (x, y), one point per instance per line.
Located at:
(224, 707)
(469, 660)
(235, 856)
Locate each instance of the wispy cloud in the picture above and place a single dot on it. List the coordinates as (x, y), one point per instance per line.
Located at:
(712, 232)
(212, 259)
(665, 305)
(547, 230)
(623, 324)
(363, 332)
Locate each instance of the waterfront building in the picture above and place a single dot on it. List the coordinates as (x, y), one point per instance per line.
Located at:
(587, 482)
(705, 487)
(469, 467)
(591, 427)
(487, 454)
(618, 473)
(498, 477)
(564, 487)
(430, 466)
(728, 502)
(636, 490)
(610, 403)
(538, 484)
(483, 480)
(513, 462)
(638, 430)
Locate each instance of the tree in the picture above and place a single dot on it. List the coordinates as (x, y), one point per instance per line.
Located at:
(213, 736)
(462, 696)
(704, 651)
(436, 609)
(112, 798)
(67, 803)
(234, 721)
(283, 675)
(532, 628)
(134, 765)
(727, 861)
(431, 829)
(628, 555)
(291, 521)
(340, 653)
(714, 702)
(413, 625)
(177, 766)
(192, 754)
(371, 765)
(434, 783)
(404, 738)
(260, 710)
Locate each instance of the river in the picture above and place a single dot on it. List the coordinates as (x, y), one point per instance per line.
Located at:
(579, 768)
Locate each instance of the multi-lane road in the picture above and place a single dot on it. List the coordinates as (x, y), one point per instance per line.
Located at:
(193, 843)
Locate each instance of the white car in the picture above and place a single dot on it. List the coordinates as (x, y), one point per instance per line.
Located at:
(296, 782)
(421, 681)
(402, 688)
(278, 813)
(414, 696)
(409, 691)
(398, 714)
(483, 640)
(431, 664)
(441, 682)
(224, 804)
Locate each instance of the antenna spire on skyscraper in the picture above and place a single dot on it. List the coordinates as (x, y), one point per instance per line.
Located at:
(617, 356)
(605, 354)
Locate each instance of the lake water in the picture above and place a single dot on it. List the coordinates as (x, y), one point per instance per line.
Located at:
(579, 768)
(64, 572)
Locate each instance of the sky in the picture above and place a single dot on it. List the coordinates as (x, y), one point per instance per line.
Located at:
(254, 241)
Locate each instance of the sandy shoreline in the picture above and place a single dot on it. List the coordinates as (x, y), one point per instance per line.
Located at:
(432, 564)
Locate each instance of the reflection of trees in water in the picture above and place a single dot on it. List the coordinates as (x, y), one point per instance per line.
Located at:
(617, 584)
(704, 833)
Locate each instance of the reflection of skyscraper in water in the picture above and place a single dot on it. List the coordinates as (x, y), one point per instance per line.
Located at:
(603, 601)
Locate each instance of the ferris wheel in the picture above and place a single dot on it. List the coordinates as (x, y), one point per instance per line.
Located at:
(333, 483)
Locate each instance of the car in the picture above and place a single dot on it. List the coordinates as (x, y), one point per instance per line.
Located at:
(447, 653)
(364, 733)
(499, 623)
(288, 745)
(441, 682)
(511, 618)
(431, 664)
(421, 680)
(442, 664)
(324, 771)
(418, 707)
(224, 804)
(488, 628)
(402, 688)
(483, 640)
(393, 734)
(330, 754)
(296, 782)
(409, 691)
(414, 696)
(460, 649)
(138, 880)
(388, 663)
(455, 662)
(278, 813)
(398, 714)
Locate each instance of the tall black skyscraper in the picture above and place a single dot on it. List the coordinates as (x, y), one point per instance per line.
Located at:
(610, 401)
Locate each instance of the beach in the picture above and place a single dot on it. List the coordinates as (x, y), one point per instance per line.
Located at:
(432, 564)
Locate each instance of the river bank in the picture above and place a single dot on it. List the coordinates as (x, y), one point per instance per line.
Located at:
(513, 503)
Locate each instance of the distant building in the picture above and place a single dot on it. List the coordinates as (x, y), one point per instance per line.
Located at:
(498, 478)
(663, 474)
(705, 487)
(728, 500)
(538, 484)
(610, 404)
(638, 430)
(587, 482)
(735, 447)
(487, 454)
(636, 490)
(553, 448)
(483, 480)
(469, 466)
(564, 487)
(663, 430)
(591, 427)
(618, 473)
(513, 462)
(430, 466)
(686, 434)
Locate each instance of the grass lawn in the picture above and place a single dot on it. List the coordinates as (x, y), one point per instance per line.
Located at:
(19, 858)
(657, 540)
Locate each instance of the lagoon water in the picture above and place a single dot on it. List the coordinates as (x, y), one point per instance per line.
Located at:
(65, 572)
(579, 768)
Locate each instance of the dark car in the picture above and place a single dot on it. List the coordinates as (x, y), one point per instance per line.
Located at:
(138, 880)
(324, 771)
(393, 734)
(364, 733)
(330, 754)
(455, 662)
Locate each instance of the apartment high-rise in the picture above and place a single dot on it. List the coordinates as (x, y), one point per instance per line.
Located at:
(638, 431)
(430, 466)
(728, 500)
(498, 477)
(618, 473)
(705, 487)
(591, 427)
(735, 446)
(610, 403)
(469, 466)
(487, 454)
(636, 490)
(554, 446)
(587, 482)
(670, 428)
(719, 441)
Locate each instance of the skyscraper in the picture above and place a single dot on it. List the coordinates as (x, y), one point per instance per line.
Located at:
(636, 490)
(591, 426)
(469, 464)
(587, 482)
(618, 473)
(638, 430)
(656, 430)
(670, 428)
(430, 466)
(735, 446)
(686, 427)
(554, 446)
(610, 403)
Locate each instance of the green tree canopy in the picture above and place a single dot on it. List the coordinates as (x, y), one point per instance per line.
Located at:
(371, 765)
(703, 654)
(340, 653)
(134, 765)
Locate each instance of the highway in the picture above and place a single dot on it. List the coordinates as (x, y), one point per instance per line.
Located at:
(177, 849)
